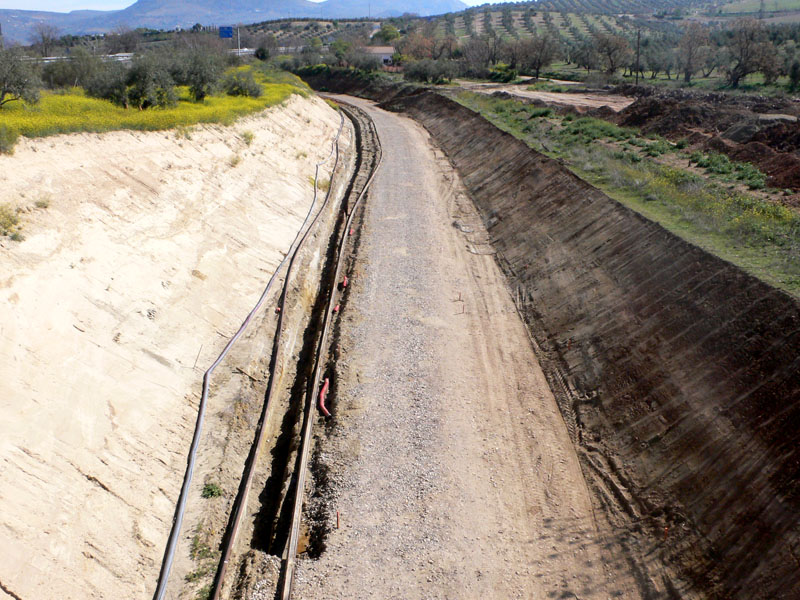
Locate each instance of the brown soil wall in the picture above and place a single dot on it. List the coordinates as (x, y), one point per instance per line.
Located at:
(677, 373)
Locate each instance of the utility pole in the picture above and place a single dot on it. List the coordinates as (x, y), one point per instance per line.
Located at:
(638, 40)
(238, 42)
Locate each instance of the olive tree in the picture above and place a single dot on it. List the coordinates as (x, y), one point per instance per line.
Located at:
(613, 51)
(17, 79)
(693, 49)
(749, 50)
(539, 52)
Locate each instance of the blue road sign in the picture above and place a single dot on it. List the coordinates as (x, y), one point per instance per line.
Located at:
(226, 32)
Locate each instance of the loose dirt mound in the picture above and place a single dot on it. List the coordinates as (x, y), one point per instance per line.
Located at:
(143, 252)
(678, 375)
(746, 124)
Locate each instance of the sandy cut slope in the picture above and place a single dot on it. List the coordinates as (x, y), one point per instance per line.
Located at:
(142, 253)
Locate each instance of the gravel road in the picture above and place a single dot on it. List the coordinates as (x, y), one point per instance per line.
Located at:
(448, 461)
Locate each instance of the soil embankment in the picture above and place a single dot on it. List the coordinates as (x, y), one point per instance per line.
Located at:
(143, 253)
(677, 373)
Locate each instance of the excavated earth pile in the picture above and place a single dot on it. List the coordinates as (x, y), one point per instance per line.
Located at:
(762, 131)
(678, 374)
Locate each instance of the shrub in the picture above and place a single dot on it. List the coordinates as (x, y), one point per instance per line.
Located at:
(17, 80)
(361, 60)
(589, 129)
(202, 74)
(211, 490)
(77, 71)
(539, 112)
(150, 83)
(502, 73)
(658, 148)
(110, 83)
(429, 71)
(9, 220)
(8, 138)
(248, 137)
(241, 83)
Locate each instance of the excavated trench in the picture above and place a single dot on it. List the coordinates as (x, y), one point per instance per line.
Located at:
(678, 374)
(272, 510)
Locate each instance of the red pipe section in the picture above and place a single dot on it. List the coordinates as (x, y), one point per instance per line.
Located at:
(336, 309)
(322, 393)
(344, 282)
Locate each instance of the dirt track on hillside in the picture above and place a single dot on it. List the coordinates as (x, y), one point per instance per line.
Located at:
(580, 101)
(447, 460)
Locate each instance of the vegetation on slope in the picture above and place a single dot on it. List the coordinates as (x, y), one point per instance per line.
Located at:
(746, 229)
(71, 109)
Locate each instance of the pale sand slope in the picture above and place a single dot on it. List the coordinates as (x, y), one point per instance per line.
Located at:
(152, 247)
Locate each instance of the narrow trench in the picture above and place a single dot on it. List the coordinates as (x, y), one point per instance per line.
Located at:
(320, 512)
(273, 521)
(271, 528)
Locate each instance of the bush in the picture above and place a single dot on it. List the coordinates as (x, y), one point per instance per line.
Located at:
(241, 83)
(589, 129)
(200, 70)
(78, 71)
(17, 80)
(9, 220)
(359, 59)
(150, 83)
(8, 138)
(110, 83)
(538, 113)
(502, 73)
(429, 71)
(211, 490)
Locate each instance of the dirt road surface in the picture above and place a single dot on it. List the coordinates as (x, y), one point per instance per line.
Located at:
(579, 101)
(449, 463)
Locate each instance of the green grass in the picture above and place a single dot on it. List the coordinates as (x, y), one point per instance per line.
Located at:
(761, 237)
(730, 170)
(72, 110)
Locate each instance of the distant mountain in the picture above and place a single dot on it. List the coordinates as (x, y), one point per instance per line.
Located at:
(168, 14)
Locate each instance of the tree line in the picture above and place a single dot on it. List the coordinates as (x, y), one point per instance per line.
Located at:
(745, 47)
(148, 80)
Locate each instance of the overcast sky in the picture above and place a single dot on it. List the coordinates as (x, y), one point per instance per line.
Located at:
(68, 5)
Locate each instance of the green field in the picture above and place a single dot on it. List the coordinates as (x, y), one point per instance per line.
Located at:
(753, 6)
(71, 110)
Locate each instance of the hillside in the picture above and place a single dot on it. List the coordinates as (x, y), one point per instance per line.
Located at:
(170, 14)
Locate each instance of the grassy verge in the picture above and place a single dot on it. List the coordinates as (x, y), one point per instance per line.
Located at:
(72, 111)
(758, 235)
